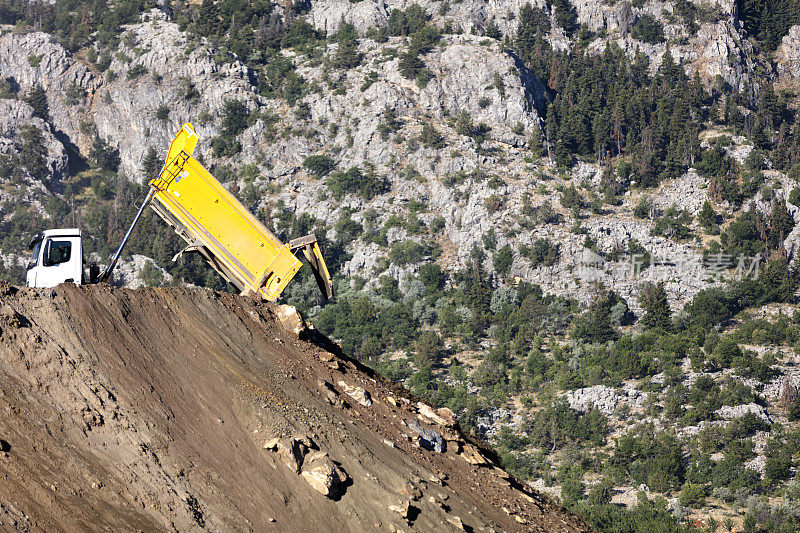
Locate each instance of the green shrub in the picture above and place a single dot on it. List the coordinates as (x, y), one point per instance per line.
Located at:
(693, 495)
(674, 224)
(430, 137)
(300, 34)
(319, 165)
(643, 208)
(794, 196)
(558, 425)
(778, 468)
(652, 458)
(162, 113)
(152, 276)
(410, 64)
(571, 198)
(366, 185)
(105, 155)
(543, 252)
(136, 71)
(407, 22)
(648, 30)
(235, 118)
(429, 347)
(408, 252)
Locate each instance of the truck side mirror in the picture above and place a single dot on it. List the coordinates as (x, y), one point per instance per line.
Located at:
(46, 255)
(94, 272)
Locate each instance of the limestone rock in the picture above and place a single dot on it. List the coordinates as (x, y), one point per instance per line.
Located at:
(602, 398)
(427, 413)
(757, 463)
(357, 393)
(401, 508)
(292, 452)
(130, 273)
(456, 522)
(728, 412)
(291, 319)
(473, 456)
(788, 54)
(428, 439)
(323, 474)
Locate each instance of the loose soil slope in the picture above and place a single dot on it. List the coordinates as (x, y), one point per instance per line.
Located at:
(149, 410)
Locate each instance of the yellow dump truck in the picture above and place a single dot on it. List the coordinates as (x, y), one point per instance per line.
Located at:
(214, 224)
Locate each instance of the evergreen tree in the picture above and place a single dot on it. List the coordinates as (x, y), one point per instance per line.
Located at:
(479, 296)
(37, 99)
(535, 144)
(503, 260)
(208, 19)
(595, 325)
(104, 155)
(779, 282)
(566, 16)
(707, 217)
(429, 347)
(33, 153)
(431, 137)
(347, 55)
(657, 313)
(532, 22)
(151, 164)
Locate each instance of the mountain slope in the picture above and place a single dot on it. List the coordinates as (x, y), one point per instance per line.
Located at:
(150, 409)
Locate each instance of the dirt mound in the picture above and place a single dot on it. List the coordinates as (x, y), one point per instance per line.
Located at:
(180, 409)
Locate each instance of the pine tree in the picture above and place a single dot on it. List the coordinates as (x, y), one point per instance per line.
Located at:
(657, 313)
(707, 216)
(503, 260)
(595, 324)
(536, 145)
(532, 22)
(151, 164)
(208, 19)
(37, 99)
(566, 16)
(347, 55)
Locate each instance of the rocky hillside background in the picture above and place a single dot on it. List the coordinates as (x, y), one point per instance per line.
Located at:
(536, 213)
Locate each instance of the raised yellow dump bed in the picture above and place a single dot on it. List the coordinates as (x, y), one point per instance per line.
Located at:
(215, 224)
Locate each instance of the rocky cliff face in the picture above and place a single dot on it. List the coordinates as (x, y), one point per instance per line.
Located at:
(158, 67)
(716, 47)
(16, 118)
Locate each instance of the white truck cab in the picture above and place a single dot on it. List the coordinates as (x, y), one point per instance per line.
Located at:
(57, 258)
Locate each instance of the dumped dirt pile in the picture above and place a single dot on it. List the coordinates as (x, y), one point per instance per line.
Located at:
(179, 409)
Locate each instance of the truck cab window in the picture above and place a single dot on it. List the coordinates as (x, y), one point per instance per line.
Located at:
(59, 252)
